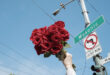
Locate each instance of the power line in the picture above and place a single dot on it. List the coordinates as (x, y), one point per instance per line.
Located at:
(16, 69)
(84, 68)
(17, 52)
(47, 14)
(43, 10)
(17, 61)
(4, 71)
(26, 58)
(93, 7)
(70, 34)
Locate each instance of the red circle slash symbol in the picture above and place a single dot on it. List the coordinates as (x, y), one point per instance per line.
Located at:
(90, 42)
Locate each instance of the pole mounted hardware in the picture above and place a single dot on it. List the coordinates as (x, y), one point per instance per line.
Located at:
(62, 7)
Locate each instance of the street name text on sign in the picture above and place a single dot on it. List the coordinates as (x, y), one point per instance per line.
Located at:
(92, 46)
(89, 29)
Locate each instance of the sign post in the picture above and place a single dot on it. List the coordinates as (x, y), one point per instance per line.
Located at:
(77, 38)
(89, 29)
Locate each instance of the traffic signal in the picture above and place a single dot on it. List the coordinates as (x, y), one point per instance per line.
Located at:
(98, 69)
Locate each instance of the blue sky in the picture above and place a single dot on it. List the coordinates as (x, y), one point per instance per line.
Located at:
(19, 17)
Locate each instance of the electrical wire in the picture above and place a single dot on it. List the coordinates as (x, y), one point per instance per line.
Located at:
(17, 52)
(43, 10)
(17, 69)
(98, 14)
(84, 68)
(93, 7)
(48, 15)
(17, 61)
(4, 71)
(70, 34)
(26, 58)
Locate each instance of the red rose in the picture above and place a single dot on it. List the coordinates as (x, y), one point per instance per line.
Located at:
(56, 48)
(46, 45)
(53, 29)
(60, 24)
(56, 38)
(38, 33)
(33, 34)
(65, 37)
(42, 47)
(43, 30)
(39, 49)
(64, 33)
(36, 40)
(34, 31)
(48, 40)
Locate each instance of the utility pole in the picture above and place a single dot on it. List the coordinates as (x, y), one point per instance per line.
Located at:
(97, 68)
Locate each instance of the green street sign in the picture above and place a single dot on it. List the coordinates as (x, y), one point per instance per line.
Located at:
(89, 29)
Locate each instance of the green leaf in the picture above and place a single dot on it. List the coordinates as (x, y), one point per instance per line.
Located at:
(67, 46)
(47, 54)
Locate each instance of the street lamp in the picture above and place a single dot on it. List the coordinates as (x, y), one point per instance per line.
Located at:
(62, 6)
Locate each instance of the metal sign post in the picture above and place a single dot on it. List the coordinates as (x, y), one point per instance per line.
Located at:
(97, 68)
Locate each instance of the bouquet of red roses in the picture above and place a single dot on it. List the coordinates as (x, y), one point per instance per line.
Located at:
(51, 40)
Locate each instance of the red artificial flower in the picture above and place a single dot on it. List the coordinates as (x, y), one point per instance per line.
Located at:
(60, 24)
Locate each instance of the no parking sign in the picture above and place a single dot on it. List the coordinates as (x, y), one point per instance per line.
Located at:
(92, 46)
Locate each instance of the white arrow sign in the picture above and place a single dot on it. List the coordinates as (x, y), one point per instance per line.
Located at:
(106, 60)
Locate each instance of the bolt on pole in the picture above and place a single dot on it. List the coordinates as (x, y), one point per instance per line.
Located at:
(98, 68)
